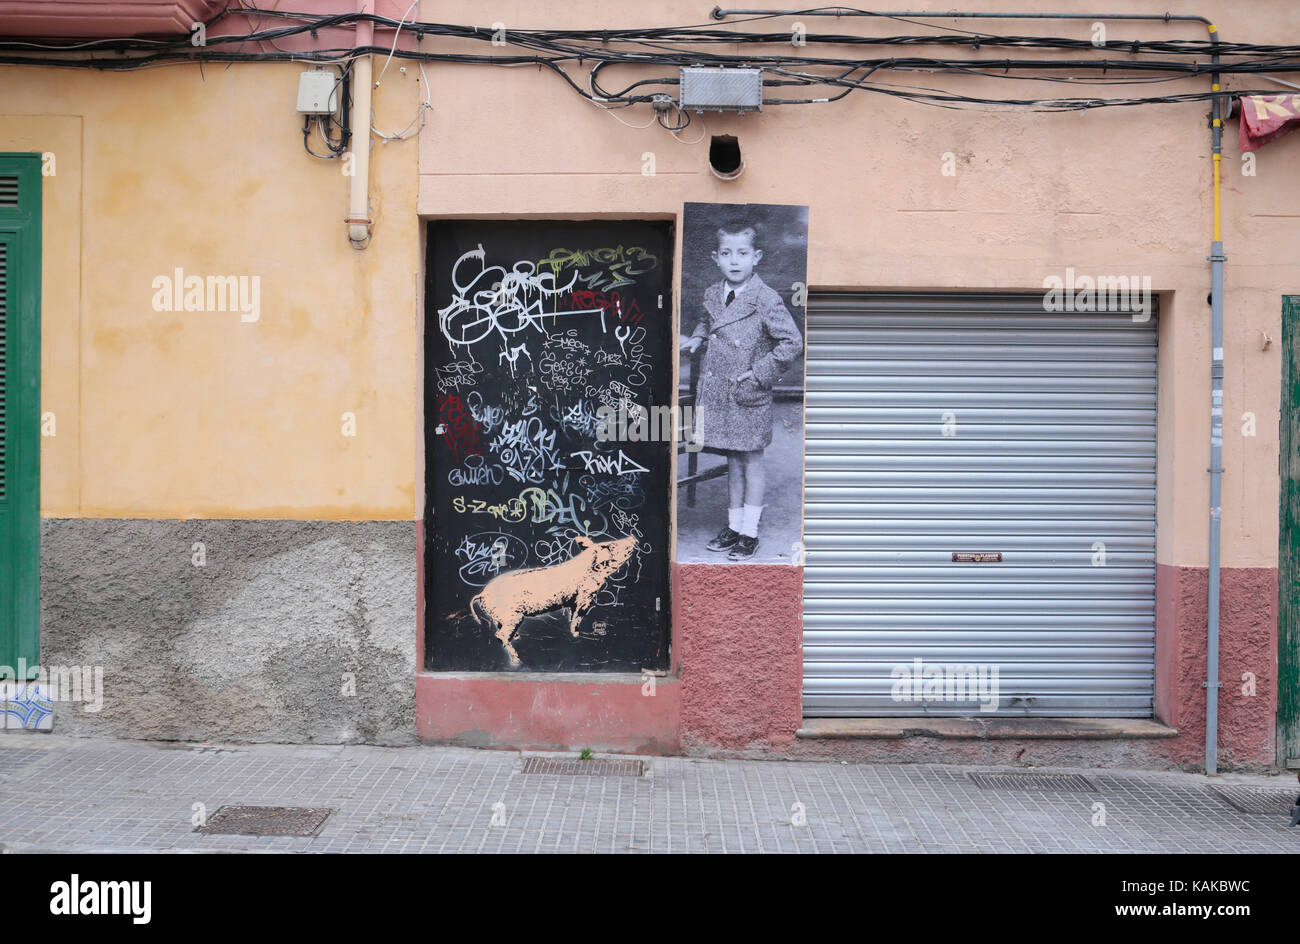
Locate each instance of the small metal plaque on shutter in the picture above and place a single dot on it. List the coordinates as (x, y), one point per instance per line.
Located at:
(977, 557)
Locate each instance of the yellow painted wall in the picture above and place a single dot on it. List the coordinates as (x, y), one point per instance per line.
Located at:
(199, 414)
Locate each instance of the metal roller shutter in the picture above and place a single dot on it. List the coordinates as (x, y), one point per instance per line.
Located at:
(1050, 460)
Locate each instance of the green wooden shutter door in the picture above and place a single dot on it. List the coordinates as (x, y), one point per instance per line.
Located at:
(1288, 570)
(20, 288)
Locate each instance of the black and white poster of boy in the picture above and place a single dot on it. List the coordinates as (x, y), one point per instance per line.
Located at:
(741, 388)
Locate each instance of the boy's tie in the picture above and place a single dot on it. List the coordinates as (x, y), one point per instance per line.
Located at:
(731, 295)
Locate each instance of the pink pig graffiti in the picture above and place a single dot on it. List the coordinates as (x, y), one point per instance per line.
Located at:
(574, 584)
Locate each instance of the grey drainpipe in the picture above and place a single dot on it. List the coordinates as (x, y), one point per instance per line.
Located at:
(1216, 258)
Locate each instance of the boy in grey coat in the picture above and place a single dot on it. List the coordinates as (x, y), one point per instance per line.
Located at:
(752, 341)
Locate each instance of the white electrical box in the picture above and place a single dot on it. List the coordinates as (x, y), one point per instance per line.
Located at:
(318, 92)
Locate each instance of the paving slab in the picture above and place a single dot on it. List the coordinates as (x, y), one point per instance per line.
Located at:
(60, 793)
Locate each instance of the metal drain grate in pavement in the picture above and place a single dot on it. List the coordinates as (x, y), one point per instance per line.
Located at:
(1257, 799)
(1046, 783)
(264, 821)
(595, 767)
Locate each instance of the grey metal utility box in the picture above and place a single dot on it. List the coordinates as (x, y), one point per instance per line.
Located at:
(712, 89)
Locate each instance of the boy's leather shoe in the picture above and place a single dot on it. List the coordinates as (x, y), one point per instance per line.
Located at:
(744, 549)
(725, 540)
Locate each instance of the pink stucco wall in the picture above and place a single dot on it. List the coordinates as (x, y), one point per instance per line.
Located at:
(513, 711)
(1248, 643)
(740, 633)
(739, 670)
(740, 629)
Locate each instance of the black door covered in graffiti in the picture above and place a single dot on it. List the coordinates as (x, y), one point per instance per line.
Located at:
(546, 516)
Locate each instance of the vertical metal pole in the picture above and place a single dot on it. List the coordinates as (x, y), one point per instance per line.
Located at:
(1216, 438)
(1216, 490)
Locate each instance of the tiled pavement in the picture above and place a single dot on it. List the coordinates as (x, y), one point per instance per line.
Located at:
(61, 793)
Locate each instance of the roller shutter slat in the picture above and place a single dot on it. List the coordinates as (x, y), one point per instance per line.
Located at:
(1055, 450)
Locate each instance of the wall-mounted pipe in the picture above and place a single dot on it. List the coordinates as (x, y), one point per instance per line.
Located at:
(1216, 259)
(358, 220)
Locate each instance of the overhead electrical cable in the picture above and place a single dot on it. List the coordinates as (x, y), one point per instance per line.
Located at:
(1119, 62)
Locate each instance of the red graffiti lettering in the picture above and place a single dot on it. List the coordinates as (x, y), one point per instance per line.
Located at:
(460, 429)
(626, 309)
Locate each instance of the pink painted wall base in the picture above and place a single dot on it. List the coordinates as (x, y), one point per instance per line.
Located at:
(1247, 662)
(505, 710)
(740, 631)
(738, 634)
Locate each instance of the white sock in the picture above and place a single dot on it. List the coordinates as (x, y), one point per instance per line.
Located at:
(733, 518)
(749, 521)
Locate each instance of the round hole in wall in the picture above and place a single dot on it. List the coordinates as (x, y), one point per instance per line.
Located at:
(724, 157)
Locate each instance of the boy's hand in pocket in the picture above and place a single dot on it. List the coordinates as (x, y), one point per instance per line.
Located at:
(747, 375)
(691, 344)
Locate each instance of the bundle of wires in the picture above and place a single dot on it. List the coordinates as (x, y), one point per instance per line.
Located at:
(1127, 62)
